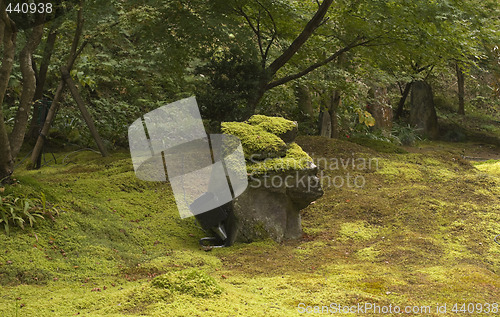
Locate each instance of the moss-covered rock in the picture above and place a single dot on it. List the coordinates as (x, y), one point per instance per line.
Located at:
(282, 181)
(285, 129)
(295, 159)
(257, 143)
(265, 147)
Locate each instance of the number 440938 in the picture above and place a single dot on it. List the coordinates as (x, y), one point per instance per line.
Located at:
(472, 308)
(30, 8)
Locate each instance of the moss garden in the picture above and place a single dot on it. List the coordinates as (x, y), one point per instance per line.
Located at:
(420, 232)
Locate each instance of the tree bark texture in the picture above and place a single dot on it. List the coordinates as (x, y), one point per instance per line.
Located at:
(304, 102)
(81, 105)
(35, 126)
(325, 122)
(37, 150)
(402, 101)
(335, 102)
(29, 85)
(8, 36)
(461, 90)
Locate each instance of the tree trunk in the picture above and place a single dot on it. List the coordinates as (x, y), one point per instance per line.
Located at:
(402, 100)
(461, 90)
(41, 78)
(281, 60)
(422, 113)
(29, 85)
(46, 126)
(37, 150)
(81, 105)
(335, 101)
(254, 100)
(380, 109)
(304, 102)
(325, 122)
(8, 36)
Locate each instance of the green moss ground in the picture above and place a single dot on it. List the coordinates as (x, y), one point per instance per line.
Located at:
(420, 232)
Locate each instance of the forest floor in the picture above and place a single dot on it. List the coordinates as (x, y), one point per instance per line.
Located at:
(418, 233)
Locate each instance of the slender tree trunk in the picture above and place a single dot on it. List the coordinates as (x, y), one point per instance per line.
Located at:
(306, 33)
(304, 102)
(422, 112)
(325, 123)
(9, 34)
(254, 100)
(335, 101)
(29, 85)
(41, 78)
(37, 150)
(461, 90)
(402, 100)
(81, 105)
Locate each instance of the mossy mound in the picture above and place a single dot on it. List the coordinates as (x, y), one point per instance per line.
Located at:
(257, 142)
(379, 146)
(264, 149)
(192, 282)
(295, 159)
(274, 125)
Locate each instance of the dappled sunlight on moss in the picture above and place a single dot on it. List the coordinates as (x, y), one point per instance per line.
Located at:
(255, 139)
(295, 159)
(420, 232)
(274, 125)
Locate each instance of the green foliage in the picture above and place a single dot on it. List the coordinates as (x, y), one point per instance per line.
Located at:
(365, 118)
(18, 211)
(405, 134)
(228, 81)
(193, 282)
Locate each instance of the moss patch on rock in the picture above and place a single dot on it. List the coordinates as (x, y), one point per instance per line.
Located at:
(295, 159)
(264, 150)
(274, 125)
(256, 141)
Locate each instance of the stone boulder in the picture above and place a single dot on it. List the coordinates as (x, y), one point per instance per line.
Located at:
(422, 112)
(279, 187)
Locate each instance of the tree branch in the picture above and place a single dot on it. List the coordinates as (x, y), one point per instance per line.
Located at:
(273, 36)
(301, 38)
(309, 69)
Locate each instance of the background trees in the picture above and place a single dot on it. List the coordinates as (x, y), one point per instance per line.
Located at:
(300, 59)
